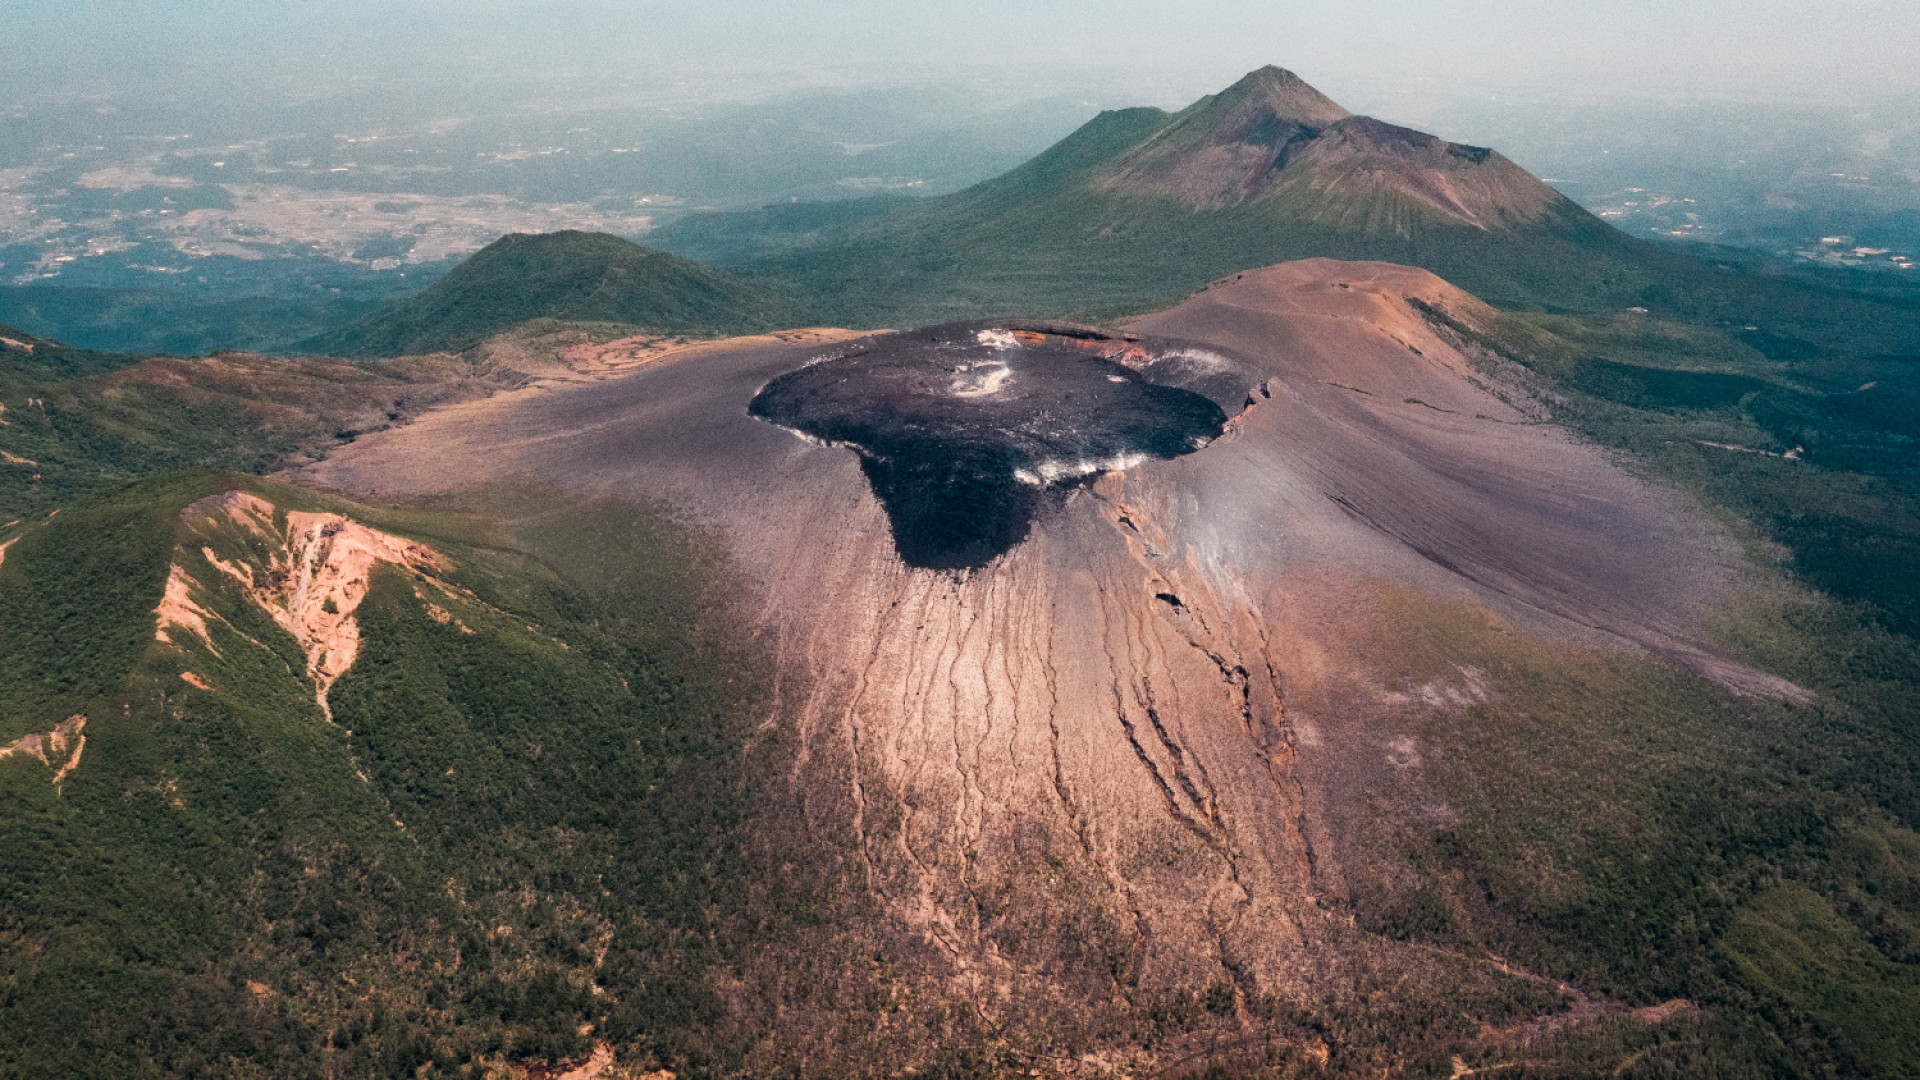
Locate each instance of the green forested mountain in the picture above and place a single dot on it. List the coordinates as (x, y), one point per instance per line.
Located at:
(519, 834)
(1139, 207)
(574, 276)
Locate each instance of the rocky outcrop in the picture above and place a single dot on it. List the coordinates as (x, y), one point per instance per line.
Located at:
(308, 571)
(58, 749)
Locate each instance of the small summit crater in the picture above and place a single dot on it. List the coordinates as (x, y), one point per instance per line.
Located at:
(965, 430)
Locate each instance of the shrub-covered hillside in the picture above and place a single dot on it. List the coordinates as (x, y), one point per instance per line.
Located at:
(520, 835)
(574, 276)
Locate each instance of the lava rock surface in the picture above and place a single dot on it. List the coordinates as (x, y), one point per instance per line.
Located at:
(965, 431)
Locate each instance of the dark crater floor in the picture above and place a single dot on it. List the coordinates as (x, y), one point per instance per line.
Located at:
(965, 431)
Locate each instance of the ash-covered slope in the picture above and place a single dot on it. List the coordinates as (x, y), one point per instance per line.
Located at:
(1152, 748)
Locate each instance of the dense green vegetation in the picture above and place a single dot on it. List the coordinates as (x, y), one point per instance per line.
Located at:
(1630, 829)
(574, 276)
(75, 624)
(149, 321)
(521, 835)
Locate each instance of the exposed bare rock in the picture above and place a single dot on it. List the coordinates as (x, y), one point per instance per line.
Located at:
(65, 741)
(1121, 757)
(1363, 166)
(179, 611)
(1222, 150)
(312, 577)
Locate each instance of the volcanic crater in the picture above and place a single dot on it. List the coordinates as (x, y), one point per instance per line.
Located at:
(1175, 736)
(966, 431)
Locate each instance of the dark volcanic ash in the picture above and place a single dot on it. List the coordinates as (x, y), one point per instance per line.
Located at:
(964, 430)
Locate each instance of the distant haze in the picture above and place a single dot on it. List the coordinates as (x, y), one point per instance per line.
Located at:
(325, 156)
(1156, 51)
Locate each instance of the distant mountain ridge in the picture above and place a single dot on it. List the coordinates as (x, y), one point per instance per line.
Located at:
(1271, 133)
(570, 275)
(1139, 207)
(1131, 212)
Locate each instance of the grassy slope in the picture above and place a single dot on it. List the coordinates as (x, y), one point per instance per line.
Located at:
(575, 276)
(142, 321)
(1625, 827)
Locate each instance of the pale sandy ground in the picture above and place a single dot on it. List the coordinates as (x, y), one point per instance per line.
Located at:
(573, 356)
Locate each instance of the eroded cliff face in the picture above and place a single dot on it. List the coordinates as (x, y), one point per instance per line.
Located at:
(59, 749)
(1142, 749)
(307, 571)
(1084, 740)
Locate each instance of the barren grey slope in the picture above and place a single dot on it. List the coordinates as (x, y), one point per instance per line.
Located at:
(1123, 706)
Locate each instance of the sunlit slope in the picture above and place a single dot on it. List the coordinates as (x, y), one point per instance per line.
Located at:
(575, 276)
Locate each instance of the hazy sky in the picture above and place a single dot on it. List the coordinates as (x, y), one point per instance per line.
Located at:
(1160, 51)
